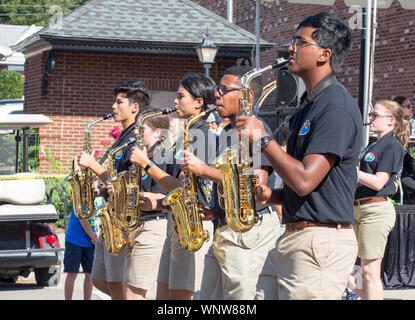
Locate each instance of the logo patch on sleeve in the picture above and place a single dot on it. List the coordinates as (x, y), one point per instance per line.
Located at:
(144, 174)
(305, 128)
(118, 155)
(369, 157)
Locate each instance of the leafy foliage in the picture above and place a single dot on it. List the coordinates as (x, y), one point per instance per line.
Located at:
(11, 84)
(59, 185)
(38, 12)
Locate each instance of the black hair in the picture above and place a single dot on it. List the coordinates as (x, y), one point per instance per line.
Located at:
(400, 100)
(200, 86)
(256, 84)
(136, 92)
(332, 34)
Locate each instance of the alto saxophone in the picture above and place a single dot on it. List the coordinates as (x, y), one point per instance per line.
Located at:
(128, 192)
(81, 180)
(184, 201)
(236, 166)
(112, 234)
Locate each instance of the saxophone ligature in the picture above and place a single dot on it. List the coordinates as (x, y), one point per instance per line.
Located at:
(110, 226)
(236, 166)
(127, 185)
(81, 180)
(184, 201)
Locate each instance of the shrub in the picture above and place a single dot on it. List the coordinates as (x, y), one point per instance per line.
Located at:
(11, 84)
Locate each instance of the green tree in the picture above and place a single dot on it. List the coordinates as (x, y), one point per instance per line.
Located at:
(38, 12)
(11, 85)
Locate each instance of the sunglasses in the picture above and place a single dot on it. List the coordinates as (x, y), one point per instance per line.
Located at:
(297, 42)
(222, 89)
(376, 115)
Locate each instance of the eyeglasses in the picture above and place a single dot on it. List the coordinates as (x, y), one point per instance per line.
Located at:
(376, 115)
(222, 89)
(297, 42)
(409, 106)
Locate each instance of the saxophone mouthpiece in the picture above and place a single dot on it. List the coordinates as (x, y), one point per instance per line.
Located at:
(108, 115)
(168, 110)
(211, 108)
(279, 63)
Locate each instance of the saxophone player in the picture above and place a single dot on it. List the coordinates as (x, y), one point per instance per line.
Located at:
(130, 98)
(318, 250)
(235, 260)
(143, 257)
(180, 271)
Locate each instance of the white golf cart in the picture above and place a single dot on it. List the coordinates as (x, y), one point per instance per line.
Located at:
(27, 242)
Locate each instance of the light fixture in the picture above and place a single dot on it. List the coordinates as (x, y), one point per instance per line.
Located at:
(207, 52)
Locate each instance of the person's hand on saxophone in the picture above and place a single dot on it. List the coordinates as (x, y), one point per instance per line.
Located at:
(87, 160)
(139, 157)
(193, 164)
(152, 201)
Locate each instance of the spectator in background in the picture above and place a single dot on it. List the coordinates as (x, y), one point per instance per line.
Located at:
(379, 173)
(213, 121)
(80, 240)
(407, 111)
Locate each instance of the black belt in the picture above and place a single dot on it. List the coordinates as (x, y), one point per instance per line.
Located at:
(151, 217)
(266, 210)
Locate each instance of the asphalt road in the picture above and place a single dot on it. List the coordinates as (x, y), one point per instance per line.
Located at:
(27, 289)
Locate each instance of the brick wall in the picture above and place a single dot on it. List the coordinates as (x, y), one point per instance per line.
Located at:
(395, 40)
(80, 90)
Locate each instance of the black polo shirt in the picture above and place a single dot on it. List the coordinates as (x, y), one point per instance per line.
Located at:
(150, 185)
(331, 123)
(384, 155)
(229, 137)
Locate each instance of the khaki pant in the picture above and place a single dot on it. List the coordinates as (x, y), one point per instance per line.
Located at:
(144, 257)
(235, 260)
(179, 268)
(315, 263)
(267, 286)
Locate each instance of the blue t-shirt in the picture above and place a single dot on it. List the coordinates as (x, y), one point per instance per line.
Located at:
(76, 234)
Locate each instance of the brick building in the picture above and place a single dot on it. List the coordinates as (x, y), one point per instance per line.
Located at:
(72, 68)
(394, 72)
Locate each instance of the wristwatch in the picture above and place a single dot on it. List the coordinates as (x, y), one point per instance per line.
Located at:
(150, 164)
(263, 142)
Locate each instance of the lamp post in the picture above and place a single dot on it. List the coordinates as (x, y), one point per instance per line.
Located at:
(206, 52)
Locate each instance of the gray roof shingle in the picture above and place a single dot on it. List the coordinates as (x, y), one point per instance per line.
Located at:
(163, 22)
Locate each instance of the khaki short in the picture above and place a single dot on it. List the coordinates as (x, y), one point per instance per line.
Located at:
(144, 257)
(315, 263)
(178, 268)
(372, 225)
(106, 266)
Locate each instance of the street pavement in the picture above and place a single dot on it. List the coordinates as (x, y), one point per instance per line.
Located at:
(26, 288)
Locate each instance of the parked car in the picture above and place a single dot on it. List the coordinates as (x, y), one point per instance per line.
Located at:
(28, 242)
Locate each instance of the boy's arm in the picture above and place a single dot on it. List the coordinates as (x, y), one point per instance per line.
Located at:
(88, 229)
